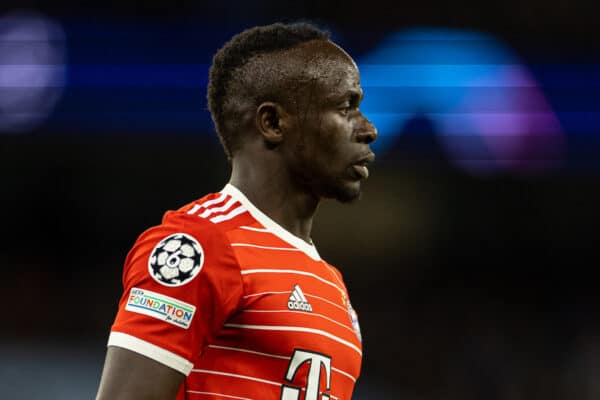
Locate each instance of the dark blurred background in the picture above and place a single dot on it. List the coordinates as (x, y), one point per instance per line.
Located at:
(470, 258)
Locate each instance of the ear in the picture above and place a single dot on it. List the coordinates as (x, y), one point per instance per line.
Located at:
(270, 122)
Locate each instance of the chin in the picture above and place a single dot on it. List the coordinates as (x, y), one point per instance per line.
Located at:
(347, 193)
(346, 198)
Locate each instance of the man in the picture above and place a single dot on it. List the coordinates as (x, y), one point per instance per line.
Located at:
(228, 298)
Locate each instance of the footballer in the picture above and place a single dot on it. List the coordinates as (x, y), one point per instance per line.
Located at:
(228, 298)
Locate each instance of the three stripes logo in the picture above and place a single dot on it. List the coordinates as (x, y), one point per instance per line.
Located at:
(297, 300)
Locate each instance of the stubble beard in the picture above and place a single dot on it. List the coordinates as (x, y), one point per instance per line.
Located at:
(318, 184)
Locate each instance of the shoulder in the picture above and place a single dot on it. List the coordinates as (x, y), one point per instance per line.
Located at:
(193, 238)
(338, 276)
(201, 225)
(216, 213)
(208, 219)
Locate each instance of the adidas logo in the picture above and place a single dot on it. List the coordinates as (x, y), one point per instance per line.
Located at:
(297, 301)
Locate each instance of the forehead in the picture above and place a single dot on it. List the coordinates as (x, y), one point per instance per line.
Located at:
(323, 51)
(325, 64)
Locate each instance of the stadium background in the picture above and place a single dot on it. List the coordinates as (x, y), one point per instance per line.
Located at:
(471, 264)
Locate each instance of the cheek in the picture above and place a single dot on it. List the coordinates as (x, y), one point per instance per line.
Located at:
(323, 143)
(336, 134)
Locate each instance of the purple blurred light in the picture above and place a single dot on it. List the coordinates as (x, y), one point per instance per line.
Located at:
(32, 70)
(489, 111)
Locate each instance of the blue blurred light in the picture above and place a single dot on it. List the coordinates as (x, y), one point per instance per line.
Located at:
(139, 75)
(488, 109)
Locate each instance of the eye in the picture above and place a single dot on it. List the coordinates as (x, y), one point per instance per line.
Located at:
(350, 105)
(345, 110)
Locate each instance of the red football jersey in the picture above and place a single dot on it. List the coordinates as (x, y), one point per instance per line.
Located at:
(245, 309)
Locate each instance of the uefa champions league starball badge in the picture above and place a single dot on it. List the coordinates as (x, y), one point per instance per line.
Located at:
(176, 260)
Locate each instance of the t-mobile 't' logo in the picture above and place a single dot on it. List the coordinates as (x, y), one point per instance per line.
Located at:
(313, 381)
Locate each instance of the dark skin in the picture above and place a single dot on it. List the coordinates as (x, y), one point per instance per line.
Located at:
(305, 152)
(295, 154)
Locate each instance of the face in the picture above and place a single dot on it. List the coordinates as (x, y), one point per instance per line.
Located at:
(328, 144)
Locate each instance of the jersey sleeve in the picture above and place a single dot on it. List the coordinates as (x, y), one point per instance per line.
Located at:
(181, 283)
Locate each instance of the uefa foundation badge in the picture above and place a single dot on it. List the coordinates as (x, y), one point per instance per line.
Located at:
(161, 307)
(176, 260)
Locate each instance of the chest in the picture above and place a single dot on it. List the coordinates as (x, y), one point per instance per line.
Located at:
(294, 334)
(290, 310)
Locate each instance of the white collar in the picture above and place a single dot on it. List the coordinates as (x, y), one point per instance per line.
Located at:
(273, 226)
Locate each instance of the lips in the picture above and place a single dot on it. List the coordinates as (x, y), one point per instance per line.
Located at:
(360, 166)
(361, 170)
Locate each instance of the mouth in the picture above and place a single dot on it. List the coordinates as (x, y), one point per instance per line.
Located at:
(360, 166)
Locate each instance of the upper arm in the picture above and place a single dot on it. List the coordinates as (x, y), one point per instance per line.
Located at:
(129, 375)
(161, 326)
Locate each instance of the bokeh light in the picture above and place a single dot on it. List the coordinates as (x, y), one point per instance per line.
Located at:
(32, 70)
(490, 112)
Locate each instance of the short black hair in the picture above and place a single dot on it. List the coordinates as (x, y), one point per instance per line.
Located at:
(227, 74)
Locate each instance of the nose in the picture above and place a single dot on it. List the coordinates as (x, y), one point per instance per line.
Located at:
(367, 132)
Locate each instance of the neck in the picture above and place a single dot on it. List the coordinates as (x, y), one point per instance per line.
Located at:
(270, 188)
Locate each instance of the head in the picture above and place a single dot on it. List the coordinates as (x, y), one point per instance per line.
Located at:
(296, 94)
